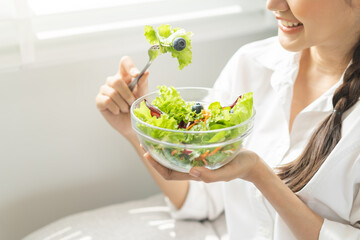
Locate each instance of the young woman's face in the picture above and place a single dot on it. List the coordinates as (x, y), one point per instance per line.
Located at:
(307, 23)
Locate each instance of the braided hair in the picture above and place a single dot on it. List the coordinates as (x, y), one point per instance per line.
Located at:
(298, 173)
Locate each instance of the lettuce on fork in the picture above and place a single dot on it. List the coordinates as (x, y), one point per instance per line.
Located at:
(164, 37)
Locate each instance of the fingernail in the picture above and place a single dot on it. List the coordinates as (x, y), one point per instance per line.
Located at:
(194, 173)
(146, 155)
(134, 71)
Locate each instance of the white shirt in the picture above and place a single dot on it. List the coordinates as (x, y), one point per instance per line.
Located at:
(269, 71)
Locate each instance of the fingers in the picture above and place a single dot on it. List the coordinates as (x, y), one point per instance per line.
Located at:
(122, 89)
(115, 97)
(243, 166)
(127, 69)
(106, 103)
(225, 173)
(167, 173)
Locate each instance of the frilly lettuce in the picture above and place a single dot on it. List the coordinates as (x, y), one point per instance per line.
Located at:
(164, 121)
(222, 118)
(175, 110)
(164, 36)
(170, 102)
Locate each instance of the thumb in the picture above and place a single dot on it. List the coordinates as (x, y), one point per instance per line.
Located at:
(127, 69)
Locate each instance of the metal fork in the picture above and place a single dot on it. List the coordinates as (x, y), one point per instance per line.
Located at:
(152, 52)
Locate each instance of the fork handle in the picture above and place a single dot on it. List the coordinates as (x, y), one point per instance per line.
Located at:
(136, 79)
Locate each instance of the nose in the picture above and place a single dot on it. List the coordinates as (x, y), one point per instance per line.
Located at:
(277, 5)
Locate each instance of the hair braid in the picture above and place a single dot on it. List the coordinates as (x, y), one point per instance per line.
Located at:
(324, 139)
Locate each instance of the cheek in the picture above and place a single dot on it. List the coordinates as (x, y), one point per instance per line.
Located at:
(310, 11)
(321, 18)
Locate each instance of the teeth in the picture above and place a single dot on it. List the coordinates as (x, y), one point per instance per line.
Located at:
(286, 24)
(289, 24)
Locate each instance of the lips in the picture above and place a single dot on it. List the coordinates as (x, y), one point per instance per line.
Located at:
(287, 22)
(289, 26)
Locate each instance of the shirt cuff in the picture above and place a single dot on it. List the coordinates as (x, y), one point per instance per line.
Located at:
(192, 207)
(337, 231)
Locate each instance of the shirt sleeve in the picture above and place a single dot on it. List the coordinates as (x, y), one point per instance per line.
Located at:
(203, 201)
(331, 230)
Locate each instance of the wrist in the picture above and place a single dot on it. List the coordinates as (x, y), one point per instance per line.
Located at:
(133, 139)
(260, 172)
(263, 175)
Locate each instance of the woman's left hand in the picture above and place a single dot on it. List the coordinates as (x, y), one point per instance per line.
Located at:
(243, 166)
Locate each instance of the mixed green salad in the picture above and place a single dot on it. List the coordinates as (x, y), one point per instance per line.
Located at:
(189, 134)
(176, 41)
(196, 124)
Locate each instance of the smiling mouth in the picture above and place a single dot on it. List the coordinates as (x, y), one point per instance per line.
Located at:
(290, 24)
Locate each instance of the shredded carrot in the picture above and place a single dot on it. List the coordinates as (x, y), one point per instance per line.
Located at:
(193, 124)
(206, 115)
(173, 152)
(204, 155)
(213, 152)
(205, 162)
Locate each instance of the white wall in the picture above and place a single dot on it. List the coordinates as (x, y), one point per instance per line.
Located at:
(58, 156)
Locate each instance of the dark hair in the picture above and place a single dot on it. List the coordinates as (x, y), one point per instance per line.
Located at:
(298, 173)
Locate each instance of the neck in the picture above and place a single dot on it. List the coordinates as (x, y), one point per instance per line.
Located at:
(332, 62)
(321, 68)
(331, 59)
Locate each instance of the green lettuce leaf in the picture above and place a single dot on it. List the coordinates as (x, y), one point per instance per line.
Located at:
(164, 121)
(164, 36)
(151, 35)
(175, 110)
(243, 109)
(170, 102)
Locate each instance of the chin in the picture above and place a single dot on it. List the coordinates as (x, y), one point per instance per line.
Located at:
(291, 45)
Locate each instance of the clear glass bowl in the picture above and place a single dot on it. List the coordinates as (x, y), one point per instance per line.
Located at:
(181, 149)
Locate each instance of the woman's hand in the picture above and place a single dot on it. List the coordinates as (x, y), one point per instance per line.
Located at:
(115, 98)
(244, 166)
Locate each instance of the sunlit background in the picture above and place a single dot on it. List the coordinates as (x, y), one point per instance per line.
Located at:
(58, 156)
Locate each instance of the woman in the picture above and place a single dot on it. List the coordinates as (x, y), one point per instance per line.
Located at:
(302, 166)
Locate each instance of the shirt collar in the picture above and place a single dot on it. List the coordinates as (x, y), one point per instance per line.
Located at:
(285, 67)
(276, 56)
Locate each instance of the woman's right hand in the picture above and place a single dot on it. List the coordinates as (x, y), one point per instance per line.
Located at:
(115, 98)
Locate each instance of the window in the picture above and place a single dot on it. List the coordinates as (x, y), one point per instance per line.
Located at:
(43, 31)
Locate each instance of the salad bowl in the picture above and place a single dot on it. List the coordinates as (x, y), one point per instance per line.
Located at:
(184, 147)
